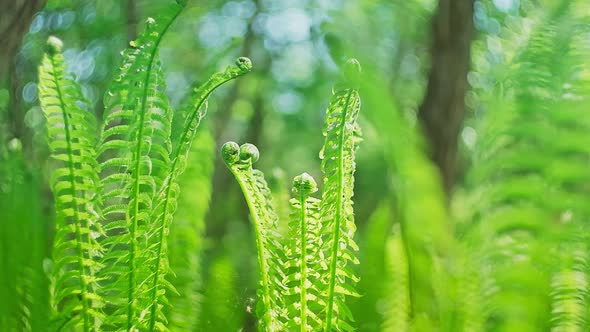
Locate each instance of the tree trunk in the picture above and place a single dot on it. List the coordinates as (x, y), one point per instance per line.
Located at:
(443, 107)
(15, 19)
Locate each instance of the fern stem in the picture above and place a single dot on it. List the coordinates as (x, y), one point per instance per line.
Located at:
(262, 250)
(77, 221)
(137, 175)
(303, 271)
(194, 119)
(239, 160)
(337, 217)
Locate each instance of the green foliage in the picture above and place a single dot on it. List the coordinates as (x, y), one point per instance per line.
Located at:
(23, 282)
(141, 217)
(396, 317)
(116, 278)
(270, 309)
(186, 235)
(530, 214)
(305, 262)
(71, 130)
(316, 278)
(342, 137)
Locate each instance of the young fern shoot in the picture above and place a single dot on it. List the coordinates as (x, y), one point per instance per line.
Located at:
(71, 131)
(342, 134)
(170, 190)
(305, 264)
(239, 160)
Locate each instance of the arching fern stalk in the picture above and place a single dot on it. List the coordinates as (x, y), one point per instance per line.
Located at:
(342, 134)
(135, 153)
(271, 310)
(71, 131)
(170, 190)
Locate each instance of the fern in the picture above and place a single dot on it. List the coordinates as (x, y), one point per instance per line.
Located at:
(304, 264)
(316, 278)
(570, 291)
(70, 129)
(135, 148)
(186, 234)
(342, 134)
(239, 159)
(525, 229)
(425, 225)
(397, 313)
(23, 283)
(170, 190)
(220, 309)
(369, 310)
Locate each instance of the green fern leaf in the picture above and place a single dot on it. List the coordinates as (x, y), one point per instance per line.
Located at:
(186, 234)
(167, 198)
(271, 310)
(71, 130)
(522, 227)
(135, 152)
(397, 314)
(304, 266)
(570, 291)
(342, 134)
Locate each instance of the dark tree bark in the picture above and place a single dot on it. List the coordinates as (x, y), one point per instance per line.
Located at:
(132, 19)
(443, 108)
(15, 19)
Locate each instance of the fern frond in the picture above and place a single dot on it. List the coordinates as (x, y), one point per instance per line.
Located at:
(71, 131)
(135, 151)
(397, 314)
(305, 265)
(342, 134)
(270, 309)
(186, 234)
(168, 194)
(570, 292)
(522, 226)
(24, 288)
(221, 311)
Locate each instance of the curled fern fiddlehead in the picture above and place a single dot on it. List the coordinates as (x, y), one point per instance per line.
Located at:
(71, 130)
(170, 190)
(342, 134)
(239, 159)
(304, 264)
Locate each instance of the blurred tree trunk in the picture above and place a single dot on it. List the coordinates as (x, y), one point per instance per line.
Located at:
(132, 19)
(15, 18)
(443, 107)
